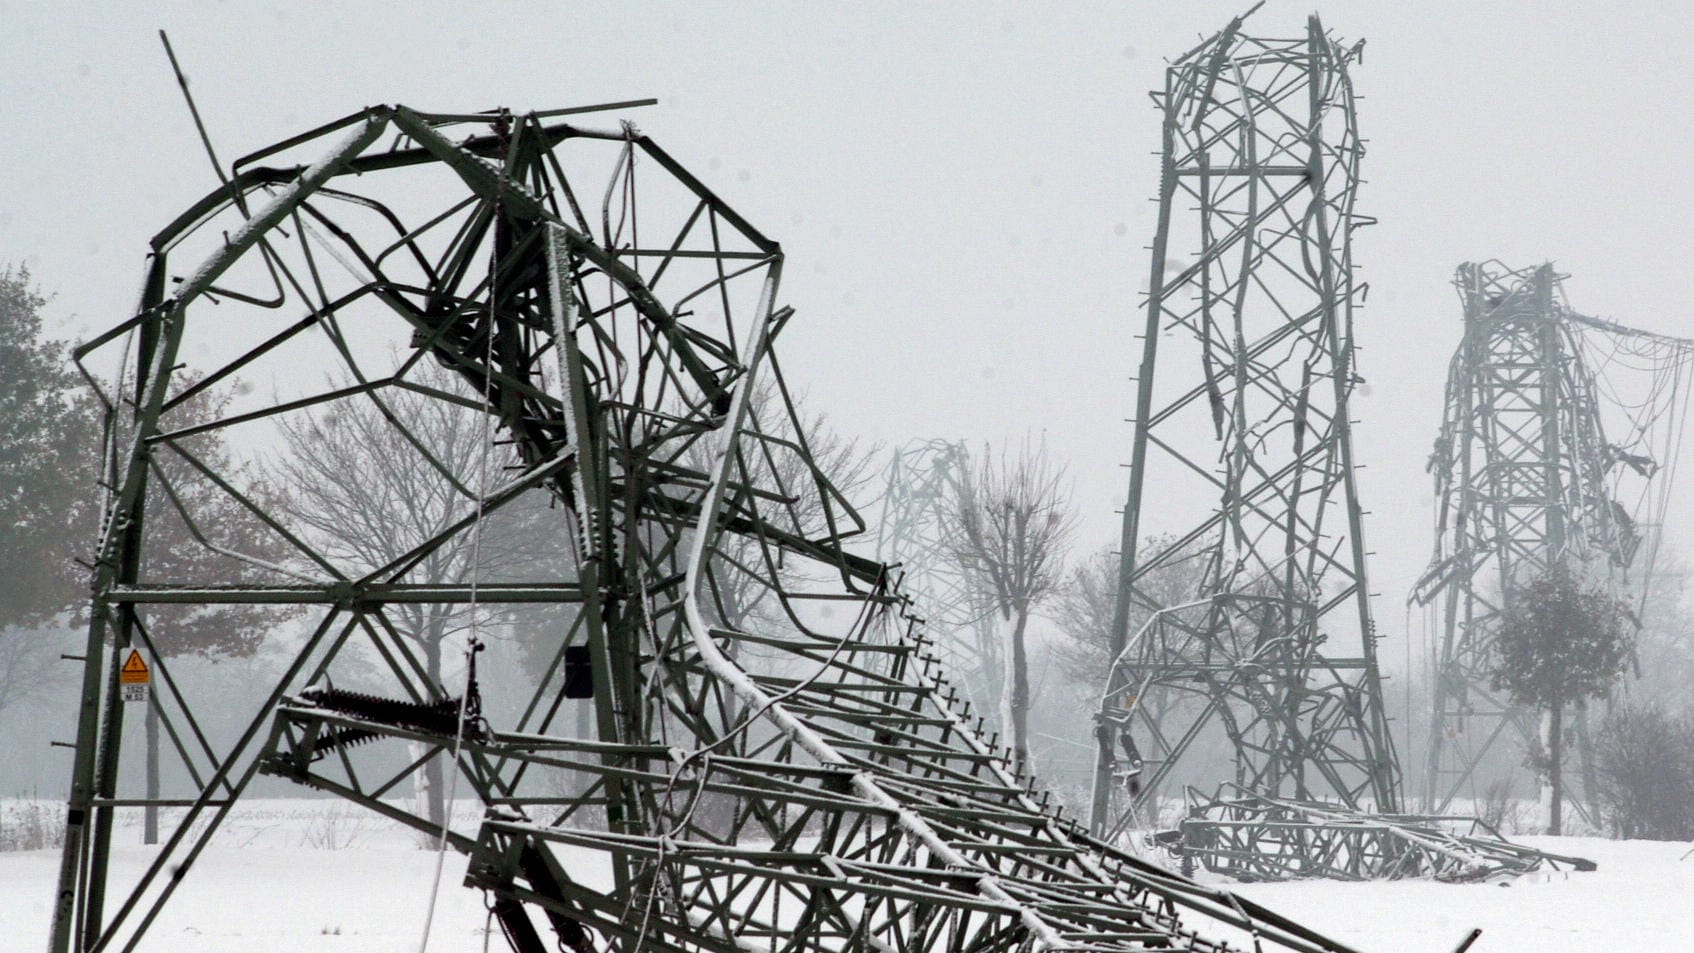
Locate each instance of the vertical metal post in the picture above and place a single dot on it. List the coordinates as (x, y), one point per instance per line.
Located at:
(1339, 329)
(1101, 795)
(88, 824)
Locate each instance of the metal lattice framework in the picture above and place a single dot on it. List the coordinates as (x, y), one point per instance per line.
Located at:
(800, 780)
(1249, 837)
(1527, 476)
(924, 480)
(1243, 399)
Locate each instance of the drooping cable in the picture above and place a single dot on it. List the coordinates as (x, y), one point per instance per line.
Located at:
(486, 451)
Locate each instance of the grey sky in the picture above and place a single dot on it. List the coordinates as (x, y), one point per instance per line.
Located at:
(963, 190)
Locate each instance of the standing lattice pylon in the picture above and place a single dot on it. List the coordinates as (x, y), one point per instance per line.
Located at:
(1527, 477)
(1245, 383)
(925, 481)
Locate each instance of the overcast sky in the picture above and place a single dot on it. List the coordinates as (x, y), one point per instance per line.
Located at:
(962, 190)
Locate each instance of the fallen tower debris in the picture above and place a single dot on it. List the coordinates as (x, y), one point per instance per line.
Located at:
(797, 775)
(1244, 397)
(1251, 837)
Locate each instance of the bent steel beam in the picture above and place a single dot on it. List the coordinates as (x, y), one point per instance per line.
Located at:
(766, 753)
(1244, 398)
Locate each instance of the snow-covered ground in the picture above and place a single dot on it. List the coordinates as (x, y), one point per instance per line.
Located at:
(1641, 898)
(282, 876)
(317, 877)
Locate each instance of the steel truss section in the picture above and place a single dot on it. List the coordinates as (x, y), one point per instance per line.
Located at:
(1244, 392)
(925, 478)
(801, 779)
(1526, 477)
(1249, 838)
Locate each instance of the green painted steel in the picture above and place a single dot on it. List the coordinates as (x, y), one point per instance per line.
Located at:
(773, 757)
(1244, 400)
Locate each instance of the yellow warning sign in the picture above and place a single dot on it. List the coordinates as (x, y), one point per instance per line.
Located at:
(135, 670)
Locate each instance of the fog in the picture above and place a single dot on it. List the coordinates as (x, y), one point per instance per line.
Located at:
(963, 193)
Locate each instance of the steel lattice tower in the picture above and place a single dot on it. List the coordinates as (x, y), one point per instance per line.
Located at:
(798, 779)
(1527, 477)
(1245, 383)
(924, 480)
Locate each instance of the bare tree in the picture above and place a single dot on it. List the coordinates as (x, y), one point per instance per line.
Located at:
(1012, 524)
(29, 666)
(1645, 766)
(371, 480)
(1085, 601)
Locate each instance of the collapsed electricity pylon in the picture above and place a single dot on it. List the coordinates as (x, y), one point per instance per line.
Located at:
(1528, 476)
(1257, 834)
(799, 779)
(1247, 373)
(925, 480)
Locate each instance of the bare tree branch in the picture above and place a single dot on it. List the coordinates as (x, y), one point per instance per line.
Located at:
(1012, 524)
(370, 479)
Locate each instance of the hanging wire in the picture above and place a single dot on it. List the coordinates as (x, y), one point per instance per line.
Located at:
(487, 449)
(1653, 421)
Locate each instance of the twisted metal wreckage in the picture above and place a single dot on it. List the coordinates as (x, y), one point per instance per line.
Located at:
(1528, 476)
(800, 777)
(1271, 652)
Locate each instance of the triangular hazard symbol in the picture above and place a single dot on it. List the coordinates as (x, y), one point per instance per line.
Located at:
(134, 670)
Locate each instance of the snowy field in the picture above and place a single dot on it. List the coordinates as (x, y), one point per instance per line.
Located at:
(1641, 898)
(320, 877)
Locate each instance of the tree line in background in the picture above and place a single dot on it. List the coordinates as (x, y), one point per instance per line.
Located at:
(1568, 642)
(1644, 748)
(346, 475)
(363, 481)
(48, 436)
(343, 474)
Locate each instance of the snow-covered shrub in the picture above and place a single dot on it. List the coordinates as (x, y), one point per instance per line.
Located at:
(31, 825)
(1502, 811)
(1644, 759)
(337, 827)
